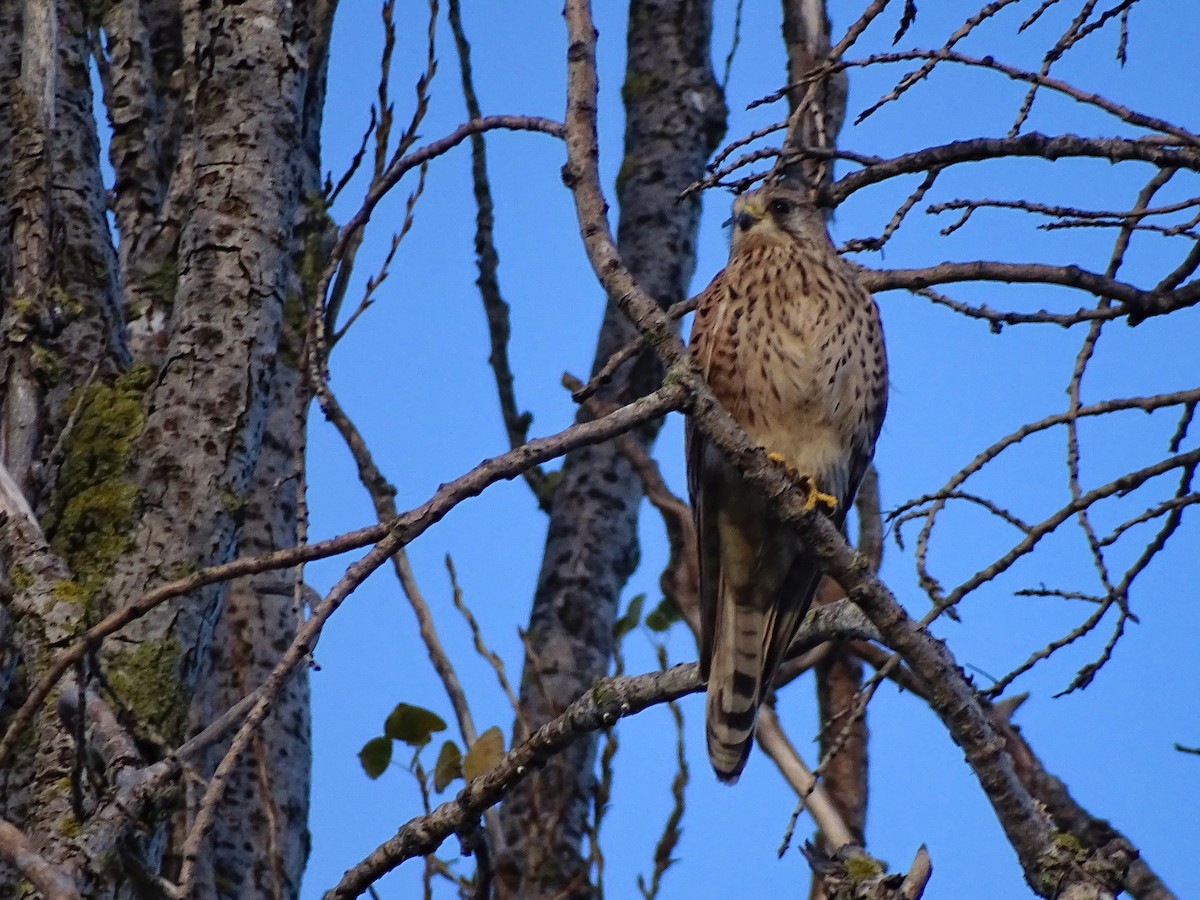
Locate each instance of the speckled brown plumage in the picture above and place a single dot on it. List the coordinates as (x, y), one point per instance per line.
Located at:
(791, 345)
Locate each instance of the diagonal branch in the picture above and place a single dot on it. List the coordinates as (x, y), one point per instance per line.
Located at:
(954, 699)
(609, 700)
(47, 878)
(408, 526)
(1116, 110)
(400, 165)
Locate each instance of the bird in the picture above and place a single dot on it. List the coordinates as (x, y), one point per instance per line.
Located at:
(791, 345)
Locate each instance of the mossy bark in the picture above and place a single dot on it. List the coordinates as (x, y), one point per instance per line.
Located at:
(150, 409)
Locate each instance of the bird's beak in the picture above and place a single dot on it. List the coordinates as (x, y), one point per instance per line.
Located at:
(744, 219)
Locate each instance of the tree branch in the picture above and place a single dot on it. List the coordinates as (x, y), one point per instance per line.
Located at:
(44, 876)
(408, 526)
(1135, 303)
(1033, 144)
(955, 700)
(516, 422)
(609, 700)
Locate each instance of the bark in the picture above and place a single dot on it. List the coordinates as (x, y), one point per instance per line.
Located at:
(141, 70)
(59, 323)
(1139, 880)
(152, 414)
(675, 115)
(818, 108)
(260, 842)
(60, 317)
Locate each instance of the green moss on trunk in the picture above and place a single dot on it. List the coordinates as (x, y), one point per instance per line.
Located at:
(145, 679)
(94, 504)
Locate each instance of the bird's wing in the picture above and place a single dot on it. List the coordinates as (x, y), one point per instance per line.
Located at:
(705, 496)
(705, 492)
(861, 448)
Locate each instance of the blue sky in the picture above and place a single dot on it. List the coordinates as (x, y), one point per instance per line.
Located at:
(413, 373)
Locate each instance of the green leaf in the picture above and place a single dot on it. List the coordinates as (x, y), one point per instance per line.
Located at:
(376, 756)
(449, 766)
(629, 621)
(412, 724)
(662, 616)
(484, 753)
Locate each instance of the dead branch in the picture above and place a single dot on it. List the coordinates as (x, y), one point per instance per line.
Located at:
(516, 423)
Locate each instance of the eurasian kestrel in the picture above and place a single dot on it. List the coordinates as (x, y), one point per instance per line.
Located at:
(791, 345)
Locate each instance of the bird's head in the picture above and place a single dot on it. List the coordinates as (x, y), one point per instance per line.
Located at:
(773, 213)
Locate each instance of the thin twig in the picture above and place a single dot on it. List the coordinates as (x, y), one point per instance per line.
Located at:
(774, 742)
(496, 310)
(481, 646)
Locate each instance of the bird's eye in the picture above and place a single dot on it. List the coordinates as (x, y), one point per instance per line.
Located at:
(780, 207)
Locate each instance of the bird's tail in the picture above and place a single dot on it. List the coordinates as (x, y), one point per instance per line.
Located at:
(735, 687)
(757, 624)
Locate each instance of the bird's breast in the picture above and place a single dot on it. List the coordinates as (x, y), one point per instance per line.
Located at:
(784, 349)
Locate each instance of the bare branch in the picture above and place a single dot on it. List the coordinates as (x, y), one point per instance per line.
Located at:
(21, 854)
(350, 234)
(912, 78)
(1116, 110)
(609, 699)
(383, 497)
(1075, 32)
(955, 701)
(516, 423)
(774, 742)
(912, 200)
(295, 656)
(1136, 304)
(1160, 153)
(481, 646)
(669, 839)
(409, 526)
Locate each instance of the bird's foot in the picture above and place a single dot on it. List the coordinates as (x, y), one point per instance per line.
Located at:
(780, 460)
(813, 496)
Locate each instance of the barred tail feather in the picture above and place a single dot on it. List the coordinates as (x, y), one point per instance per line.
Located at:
(755, 627)
(734, 688)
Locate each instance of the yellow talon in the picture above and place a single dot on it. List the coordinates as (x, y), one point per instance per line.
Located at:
(814, 496)
(780, 460)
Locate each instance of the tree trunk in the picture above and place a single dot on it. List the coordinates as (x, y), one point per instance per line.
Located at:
(675, 115)
(152, 415)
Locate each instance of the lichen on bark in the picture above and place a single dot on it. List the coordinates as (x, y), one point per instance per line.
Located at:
(145, 680)
(93, 505)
